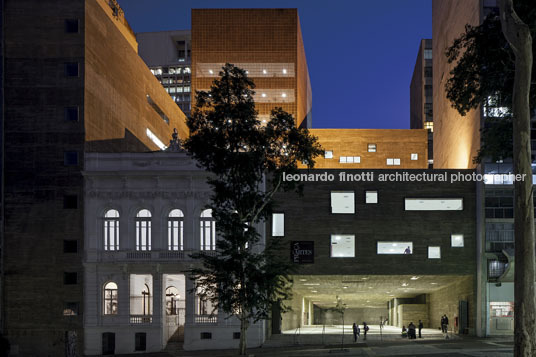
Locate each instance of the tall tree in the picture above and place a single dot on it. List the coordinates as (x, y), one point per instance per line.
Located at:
(517, 33)
(246, 161)
(494, 69)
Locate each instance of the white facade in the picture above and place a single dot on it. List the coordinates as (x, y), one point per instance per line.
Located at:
(145, 256)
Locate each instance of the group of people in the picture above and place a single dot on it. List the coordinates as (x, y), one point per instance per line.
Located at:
(357, 331)
(410, 331)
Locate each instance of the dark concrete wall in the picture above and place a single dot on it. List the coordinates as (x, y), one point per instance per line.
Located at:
(309, 218)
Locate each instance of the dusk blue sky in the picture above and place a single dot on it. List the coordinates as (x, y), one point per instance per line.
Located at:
(361, 54)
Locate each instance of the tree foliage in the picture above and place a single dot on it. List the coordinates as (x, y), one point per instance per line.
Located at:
(485, 63)
(484, 76)
(246, 161)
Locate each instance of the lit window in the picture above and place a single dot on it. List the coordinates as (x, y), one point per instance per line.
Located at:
(110, 299)
(371, 196)
(328, 154)
(349, 159)
(342, 202)
(342, 246)
(396, 162)
(342, 159)
(155, 139)
(456, 240)
(371, 147)
(429, 125)
(204, 305)
(427, 54)
(175, 230)
(434, 252)
(143, 230)
(207, 230)
(414, 156)
(278, 225)
(70, 309)
(395, 248)
(434, 204)
(390, 162)
(357, 159)
(111, 230)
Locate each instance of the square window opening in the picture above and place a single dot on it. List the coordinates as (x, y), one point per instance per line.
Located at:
(70, 246)
(342, 246)
(71, 114)
(71, 69)
(343, 202)
(456, 240)
(328, 154)
(371, 196)
(72, 25)
(434, 252)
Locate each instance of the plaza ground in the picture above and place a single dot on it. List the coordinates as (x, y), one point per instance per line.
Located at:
(309, 343)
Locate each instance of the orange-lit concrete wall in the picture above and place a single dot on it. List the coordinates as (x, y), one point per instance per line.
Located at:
(390, 143)
(253, 36)
(117, 83)
(456, 138)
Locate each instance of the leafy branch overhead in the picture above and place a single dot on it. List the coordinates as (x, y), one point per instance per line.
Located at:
(485, 64)
(245, 159)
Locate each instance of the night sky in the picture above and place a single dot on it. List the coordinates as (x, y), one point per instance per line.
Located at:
(361, 54)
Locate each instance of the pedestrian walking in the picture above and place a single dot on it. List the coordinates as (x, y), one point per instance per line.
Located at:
(420, 328)
(446, 322)
(354, 328)
(365, 330)
(443, 324)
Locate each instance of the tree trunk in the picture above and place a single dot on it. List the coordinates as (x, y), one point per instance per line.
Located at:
(243, 337)
(518, 35)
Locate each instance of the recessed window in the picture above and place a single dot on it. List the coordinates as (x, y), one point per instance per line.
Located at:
(371, 196)
(71, 25)
(342, 159)
(71, 69)
(206, 335)
(393, 161)
(278, 225)
(70, 201)
(433, 204)
(395, 248)
(434, 252)
(427, 54)
(414, 156)
(141, 341)
(70, 158)
(342, 246)
(111, 230)
(396, 162)
(350, 159)
(176, 230)
(342, 202)
(207, 230)
(456, 240)
(143, 230)
(371, 147)
(70, 278)
(389, 162)
(236, 335)
(110, 298)
(70, 246)
(328, 154)
(71, 114)
(70, 309)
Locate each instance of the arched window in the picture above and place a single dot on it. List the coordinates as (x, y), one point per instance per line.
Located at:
(146, 296)
(175, 230)
(172, 299)
(143, 230)
(110, 298)
(207, 230)
(111, 230)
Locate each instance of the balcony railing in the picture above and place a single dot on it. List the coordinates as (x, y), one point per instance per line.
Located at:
(141, 319)
(205, 319)
(153, 255)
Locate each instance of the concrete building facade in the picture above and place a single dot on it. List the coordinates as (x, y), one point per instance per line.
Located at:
(145, 214)
(73, 83)
(265, 42)
(378, 243)
(168, 54)
(421, 94)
